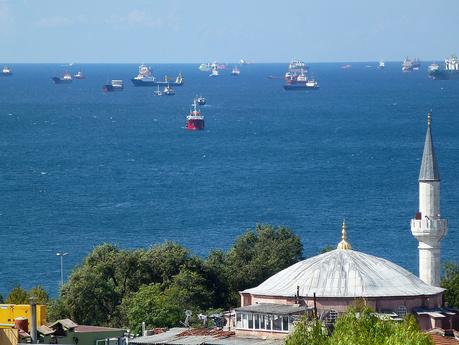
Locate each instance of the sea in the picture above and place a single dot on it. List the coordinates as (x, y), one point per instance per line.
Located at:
(80, 167)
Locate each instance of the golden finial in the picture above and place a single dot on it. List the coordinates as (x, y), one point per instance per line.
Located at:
(344, 244)
(428, 119)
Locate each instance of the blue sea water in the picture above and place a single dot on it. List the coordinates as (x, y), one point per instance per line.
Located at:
(80, 167)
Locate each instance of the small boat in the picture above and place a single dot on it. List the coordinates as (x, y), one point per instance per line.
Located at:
(168, 91)
(79, 75)
(6, 71)
(214, 72)
(158, 92)
(243, 62)
(381, 64)
(115, 85)
(346, 66)
(235, 71)
(200, 100)
(194, 120)
(65, 79)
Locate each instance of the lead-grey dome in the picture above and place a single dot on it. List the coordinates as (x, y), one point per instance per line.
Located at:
(344, 273)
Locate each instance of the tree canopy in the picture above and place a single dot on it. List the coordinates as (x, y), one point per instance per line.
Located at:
(117, 287)
(450, 282)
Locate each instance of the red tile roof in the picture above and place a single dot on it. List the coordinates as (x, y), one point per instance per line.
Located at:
(442, 340)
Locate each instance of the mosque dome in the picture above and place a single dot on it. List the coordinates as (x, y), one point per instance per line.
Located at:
(344, 273)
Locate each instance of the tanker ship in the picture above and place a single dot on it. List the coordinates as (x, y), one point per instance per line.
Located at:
(146, 78)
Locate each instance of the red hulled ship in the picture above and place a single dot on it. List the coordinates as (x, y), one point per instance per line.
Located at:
(194, 120)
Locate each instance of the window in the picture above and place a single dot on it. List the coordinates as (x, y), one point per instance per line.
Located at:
(401, 311)
(250, 321)
(262, 322)
(268, 321)
(238, 320)
(277, 323)
(257, 321)
(245, 320)
(285, 323)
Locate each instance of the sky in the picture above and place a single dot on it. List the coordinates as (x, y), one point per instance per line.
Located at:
(175, 31)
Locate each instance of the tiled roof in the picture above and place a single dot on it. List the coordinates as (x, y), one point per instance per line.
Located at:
(442, 340)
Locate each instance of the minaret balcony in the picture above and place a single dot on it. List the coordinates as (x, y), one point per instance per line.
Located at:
(429, 227)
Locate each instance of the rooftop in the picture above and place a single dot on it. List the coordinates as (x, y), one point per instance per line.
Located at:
(271, 308)
(185, 336)
(344, 273)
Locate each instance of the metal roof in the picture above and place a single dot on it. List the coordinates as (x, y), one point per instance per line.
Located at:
(429, 166)
(173, 337)
(344, 273)
(272, 308)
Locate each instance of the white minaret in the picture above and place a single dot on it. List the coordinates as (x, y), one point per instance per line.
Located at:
(428, 227)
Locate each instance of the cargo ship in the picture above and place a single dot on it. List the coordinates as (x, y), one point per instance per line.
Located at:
(194, 120)
(451, 70)
(6, 71)
(308, 84)
(145, 78)
(115, 85)
(409, 65)
(65, 79)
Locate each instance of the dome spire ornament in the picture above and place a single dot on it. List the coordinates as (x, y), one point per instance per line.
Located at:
(344, 244)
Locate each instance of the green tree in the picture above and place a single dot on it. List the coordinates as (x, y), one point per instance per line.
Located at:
(191, 291)
(95, 290)
(308, 332)
(359, 326)
(18, 295)
(450, 282)
(154, 306)
(257, 255)
(39, 294)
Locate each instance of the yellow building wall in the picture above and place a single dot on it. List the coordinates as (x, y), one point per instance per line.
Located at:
(9, 312)
(9, 336)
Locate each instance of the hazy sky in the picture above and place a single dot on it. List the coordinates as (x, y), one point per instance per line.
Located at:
(200, 31)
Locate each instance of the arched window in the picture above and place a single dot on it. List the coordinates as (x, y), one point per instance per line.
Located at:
(401, 311)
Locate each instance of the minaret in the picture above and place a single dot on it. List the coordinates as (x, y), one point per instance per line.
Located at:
(428, 227)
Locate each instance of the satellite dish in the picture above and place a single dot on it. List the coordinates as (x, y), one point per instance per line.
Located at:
(188, 312)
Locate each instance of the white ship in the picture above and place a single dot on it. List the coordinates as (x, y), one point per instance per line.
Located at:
(6, 71)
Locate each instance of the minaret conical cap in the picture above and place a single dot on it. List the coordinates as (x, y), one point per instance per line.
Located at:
(429, 166)
(344, 244)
